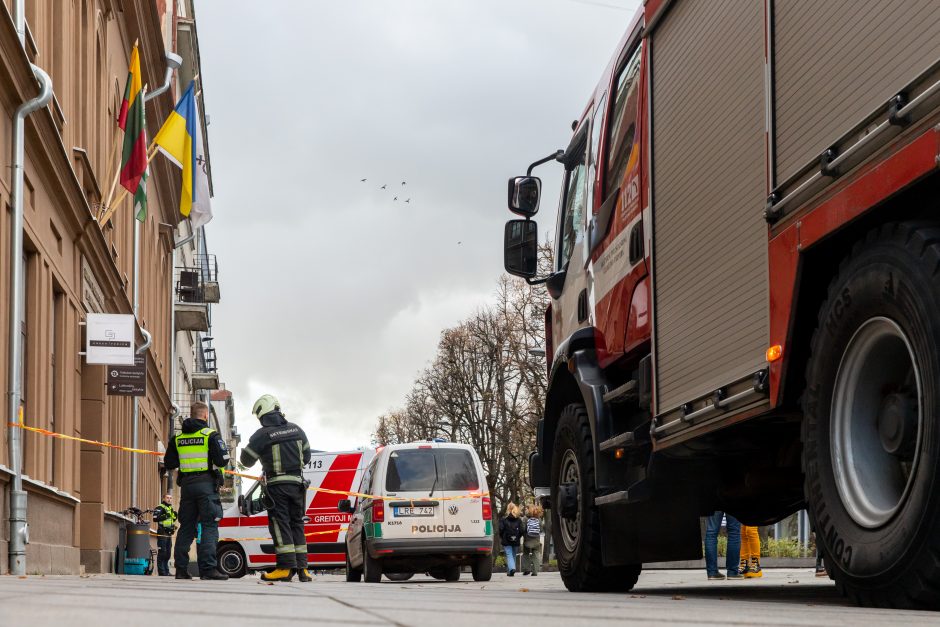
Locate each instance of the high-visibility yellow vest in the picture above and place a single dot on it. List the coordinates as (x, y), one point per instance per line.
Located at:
(193, 450)
(170, 515)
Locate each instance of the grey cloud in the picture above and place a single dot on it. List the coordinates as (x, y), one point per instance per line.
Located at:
(333, 295)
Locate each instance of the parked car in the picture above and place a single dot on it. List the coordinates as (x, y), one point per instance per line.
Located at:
(426, 509)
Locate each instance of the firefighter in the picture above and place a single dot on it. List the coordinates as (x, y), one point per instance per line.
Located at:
(199, 452)
(165, 517)
(283, 450)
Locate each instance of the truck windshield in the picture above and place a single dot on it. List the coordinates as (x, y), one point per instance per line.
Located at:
(412, 470)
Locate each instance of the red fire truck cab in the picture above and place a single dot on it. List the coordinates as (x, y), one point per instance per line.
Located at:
(745, 309)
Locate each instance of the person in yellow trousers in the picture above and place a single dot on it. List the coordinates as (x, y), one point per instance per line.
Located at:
(750, 553)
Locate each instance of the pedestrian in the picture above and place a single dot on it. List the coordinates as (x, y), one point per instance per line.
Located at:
(165, 517)
(732, 548)
(510, 534)
(750, 553)
(199, 452)
(283, 450)
(820, 564)
(532, 542)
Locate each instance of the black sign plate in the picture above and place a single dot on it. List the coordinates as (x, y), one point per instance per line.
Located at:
(128, 380)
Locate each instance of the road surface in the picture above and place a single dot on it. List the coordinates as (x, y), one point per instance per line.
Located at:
(668, 597)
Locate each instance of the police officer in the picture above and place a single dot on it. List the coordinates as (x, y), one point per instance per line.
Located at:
(165, 517)
(198, 452)
(283, 450)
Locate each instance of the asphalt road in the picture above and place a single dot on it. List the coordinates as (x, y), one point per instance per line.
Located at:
(669, 597)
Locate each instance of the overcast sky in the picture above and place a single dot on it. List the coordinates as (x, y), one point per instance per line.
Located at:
(333, 294)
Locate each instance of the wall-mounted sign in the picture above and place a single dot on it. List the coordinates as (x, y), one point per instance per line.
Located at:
(109, 339)
(128, 380)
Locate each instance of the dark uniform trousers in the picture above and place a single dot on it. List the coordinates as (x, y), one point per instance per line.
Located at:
(286, 523)
(164, 550)
(199, 503)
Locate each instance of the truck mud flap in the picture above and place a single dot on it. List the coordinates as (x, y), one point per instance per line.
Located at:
(655, 531)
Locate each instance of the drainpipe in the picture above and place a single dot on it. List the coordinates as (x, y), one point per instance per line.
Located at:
(173, 62)
(175, 409)
(19, 532)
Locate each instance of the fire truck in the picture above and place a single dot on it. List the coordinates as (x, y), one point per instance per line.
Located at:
(745, 298)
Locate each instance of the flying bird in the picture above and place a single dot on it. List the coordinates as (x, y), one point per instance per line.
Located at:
(362, 180)
(383, 187)
(403, 183)
(409, 200)
(395, 198)
(459, 243)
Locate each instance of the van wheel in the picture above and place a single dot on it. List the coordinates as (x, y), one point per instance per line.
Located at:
(353, 575)
(577, 535)
(231, 560)
(371, 567)
(871, 436)
(482, 569)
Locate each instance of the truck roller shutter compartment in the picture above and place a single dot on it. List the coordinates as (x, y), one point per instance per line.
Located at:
(709, 188)
(837, 61)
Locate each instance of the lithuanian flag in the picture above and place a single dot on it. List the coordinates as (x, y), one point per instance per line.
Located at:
(131, 121)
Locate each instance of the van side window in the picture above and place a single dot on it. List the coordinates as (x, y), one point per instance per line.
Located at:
(365, 486)
(623, 151)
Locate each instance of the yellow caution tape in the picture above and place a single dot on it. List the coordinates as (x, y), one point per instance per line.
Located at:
(118, 447)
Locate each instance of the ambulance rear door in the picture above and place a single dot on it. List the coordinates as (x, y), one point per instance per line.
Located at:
(325, 525)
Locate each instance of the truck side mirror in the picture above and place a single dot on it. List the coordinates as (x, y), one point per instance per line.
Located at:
(345, 506)
(520, 248)
(524, 192)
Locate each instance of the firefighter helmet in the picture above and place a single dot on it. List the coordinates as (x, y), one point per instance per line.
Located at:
(266, 403)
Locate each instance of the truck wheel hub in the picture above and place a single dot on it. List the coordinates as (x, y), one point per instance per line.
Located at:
(569, 501)
(875, 422)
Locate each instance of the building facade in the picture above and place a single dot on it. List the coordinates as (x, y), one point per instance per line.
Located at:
(75, 265)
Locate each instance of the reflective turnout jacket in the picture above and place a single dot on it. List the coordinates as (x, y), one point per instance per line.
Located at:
(282, 448)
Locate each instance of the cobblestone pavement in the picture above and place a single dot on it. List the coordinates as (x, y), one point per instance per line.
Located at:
(670, 597)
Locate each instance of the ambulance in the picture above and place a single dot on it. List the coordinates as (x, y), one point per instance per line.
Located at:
(425, 509)
(245, 543)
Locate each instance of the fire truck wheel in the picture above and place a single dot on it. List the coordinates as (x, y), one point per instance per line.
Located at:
(353, 575)
(482, 569)
(371, 567)
(871, 434)
(231, 560)
(577, 535)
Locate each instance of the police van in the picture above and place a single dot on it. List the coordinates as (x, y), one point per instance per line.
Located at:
(426, 509)
(245, 544)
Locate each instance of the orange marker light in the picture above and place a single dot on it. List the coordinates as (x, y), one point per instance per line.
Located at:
(618, 454)
(774, 353)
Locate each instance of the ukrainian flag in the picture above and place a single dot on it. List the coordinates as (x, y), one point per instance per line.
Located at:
(177, 140)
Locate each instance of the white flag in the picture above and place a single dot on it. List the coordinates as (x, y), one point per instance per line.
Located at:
(201, 211)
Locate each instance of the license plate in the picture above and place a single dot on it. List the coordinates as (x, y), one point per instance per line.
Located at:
(414, 511)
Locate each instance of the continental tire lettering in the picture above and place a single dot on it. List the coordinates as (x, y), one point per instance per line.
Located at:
(839, 307)
(889, 286)
(435, 528)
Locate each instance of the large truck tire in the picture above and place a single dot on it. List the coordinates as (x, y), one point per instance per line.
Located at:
(871, 429)
(578, 538)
